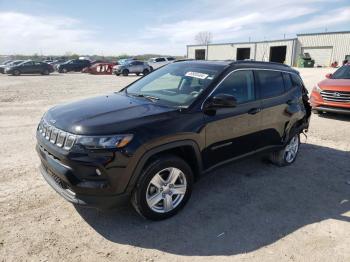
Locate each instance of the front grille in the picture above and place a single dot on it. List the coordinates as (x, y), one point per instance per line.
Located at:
(58, 181)
(335, 96)
(56, 136)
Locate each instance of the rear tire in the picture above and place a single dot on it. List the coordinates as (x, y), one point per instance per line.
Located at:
(163, 189)
(45, 72)
(16, 72)
(145, 72)
(288, 154)
(137, 74)
(125, 72)
(151, 68)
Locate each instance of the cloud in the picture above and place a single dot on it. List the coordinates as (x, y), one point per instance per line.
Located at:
(222, 28)
(333, 17)
(22, 33)
(228, 21)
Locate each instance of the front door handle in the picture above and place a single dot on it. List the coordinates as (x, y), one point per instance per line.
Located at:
(254, 111)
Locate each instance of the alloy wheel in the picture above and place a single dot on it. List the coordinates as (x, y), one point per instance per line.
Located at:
(291, 149)
(166, 190)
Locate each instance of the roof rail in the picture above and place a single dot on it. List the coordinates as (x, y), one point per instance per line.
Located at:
(259, 62)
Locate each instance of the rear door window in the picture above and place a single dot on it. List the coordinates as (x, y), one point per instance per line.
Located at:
(270, 83)
(160, 59)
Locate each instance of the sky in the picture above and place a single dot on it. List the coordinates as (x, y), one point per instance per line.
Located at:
(157, 26)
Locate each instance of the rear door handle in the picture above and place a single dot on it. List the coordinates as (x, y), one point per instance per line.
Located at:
(254, 111)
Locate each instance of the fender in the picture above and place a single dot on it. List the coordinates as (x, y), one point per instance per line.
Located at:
(136, 174)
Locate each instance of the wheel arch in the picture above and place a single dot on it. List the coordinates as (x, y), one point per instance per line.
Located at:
(188, 150)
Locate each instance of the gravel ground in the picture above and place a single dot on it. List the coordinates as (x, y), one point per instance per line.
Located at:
(244, 211)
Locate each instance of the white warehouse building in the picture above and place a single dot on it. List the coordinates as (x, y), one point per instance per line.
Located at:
(324, 48)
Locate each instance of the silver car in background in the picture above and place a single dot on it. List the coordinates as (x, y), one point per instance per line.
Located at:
(131, 67)
(157, 62)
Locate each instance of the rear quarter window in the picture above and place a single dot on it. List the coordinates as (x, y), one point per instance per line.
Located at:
(296, 81)
(270, 83)
(287, 81)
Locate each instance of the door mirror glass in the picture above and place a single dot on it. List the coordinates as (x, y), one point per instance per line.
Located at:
(221, 101)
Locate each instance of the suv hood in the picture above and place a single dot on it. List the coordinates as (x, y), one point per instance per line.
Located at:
(105, 115)
(335, 84)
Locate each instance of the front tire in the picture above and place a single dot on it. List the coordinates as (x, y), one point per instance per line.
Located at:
(164, 188)
(288, 154)
(16, 72)
(125, 72)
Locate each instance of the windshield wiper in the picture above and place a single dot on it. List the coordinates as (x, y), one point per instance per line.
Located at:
(152, 98)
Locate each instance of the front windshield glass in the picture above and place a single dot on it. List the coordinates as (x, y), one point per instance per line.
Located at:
(20, 62)
(176, 84)
(342, 73)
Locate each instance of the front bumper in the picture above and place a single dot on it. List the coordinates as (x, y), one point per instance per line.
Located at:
(103, 202)
(117, 70)
(318, 104)
(74, 177)
(8, 71)
(330, 109)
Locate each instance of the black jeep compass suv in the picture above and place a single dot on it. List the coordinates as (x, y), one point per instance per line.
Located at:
(150, 141)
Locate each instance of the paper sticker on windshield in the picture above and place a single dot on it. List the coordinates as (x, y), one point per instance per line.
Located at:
(196, 75)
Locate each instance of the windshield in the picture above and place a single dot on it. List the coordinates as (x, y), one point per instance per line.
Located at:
(177, 84)
(18, 62)
(342, 73)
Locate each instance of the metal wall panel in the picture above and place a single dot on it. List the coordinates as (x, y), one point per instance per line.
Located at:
(321, 55)
(263, 50)
(339, 41)
(260, 51)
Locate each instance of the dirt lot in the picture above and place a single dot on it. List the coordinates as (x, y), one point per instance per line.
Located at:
(244, 211)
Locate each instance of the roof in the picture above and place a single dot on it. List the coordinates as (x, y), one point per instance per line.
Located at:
(246, 43)
(243, 64)
(325, 33)
(278, 40)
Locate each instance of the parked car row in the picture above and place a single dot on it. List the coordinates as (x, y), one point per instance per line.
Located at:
(19, 67)
(122, 67)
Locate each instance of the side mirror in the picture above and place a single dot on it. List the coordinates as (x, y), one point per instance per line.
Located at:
(329, 75)
(221, 101)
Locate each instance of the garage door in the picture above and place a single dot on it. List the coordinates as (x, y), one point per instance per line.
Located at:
(321, 55)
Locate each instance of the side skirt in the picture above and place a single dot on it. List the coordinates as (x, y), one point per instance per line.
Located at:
(261, 150)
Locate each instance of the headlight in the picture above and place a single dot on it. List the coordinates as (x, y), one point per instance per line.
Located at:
(317, 89)
(104, 142)
(67, 140)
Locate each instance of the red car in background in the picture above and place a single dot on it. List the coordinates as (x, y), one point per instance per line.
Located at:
(333, 93)
(99, 69)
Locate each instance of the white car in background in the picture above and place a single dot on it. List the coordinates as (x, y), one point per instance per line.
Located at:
(157, 62)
